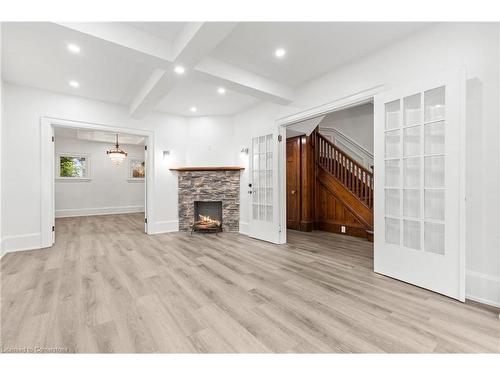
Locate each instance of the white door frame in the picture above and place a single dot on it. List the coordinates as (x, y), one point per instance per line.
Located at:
(47, 208)
(348, 101)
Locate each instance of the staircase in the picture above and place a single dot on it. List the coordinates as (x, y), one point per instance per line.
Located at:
(344, 191)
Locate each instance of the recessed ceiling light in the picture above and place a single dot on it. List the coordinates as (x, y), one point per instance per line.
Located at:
(280, 52)
(74, 84)
(193, 109)
(221, 90)
(179, 69)
(73, 48)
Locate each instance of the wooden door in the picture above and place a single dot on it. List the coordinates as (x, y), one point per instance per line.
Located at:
(293, 183)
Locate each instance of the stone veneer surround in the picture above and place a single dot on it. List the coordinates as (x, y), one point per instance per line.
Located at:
(216, 185)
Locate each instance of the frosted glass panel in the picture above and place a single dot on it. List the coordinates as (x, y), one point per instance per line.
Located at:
(255, 195)
(393, 144)
(412, 141)
(269, 142)
(255, 211)
(434, 171)
(255, 164)
(262, 195)
(269, 160)
(255, 145)
(411, 203)
(269, 195)
(269, 178)
(434, 238)
(392, 202)
(255, 178)
(262, 178)
(262, 212)
(411, 234)
(434, 103)
(412, 109)
(392, 171)
(262, 163)
(392, 110)
(412, 172)
(434, 204)
(262, 144)
(269, 213)
(392, 231)
(434, 138)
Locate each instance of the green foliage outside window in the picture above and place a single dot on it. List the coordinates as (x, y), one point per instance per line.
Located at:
(72, 166)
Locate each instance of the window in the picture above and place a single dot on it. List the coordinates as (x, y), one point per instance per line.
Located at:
(73, 167)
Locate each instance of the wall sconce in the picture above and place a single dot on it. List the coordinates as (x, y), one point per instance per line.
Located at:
(166, 153)
(244, 150)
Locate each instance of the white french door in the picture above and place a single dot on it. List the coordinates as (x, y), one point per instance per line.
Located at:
(419, 197)
(263, 188)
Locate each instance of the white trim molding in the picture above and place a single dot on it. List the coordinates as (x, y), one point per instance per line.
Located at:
(30, 241)
(74, 212)
(243, 228)
(483, 288)
(165, 227)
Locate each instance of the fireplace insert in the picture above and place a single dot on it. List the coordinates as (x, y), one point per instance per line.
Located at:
(207, 216)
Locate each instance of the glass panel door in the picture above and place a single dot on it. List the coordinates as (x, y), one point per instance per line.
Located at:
(419, 189)
(262, 174)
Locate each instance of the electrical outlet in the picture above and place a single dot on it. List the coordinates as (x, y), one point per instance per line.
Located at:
(342, 229)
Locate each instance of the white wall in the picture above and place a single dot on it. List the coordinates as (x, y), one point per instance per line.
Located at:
(355, 123)
(440, 47)
(107, 191)
(208, 141)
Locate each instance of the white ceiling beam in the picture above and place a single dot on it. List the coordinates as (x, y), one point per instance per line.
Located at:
(245, 82)
(192, 44)
(125, 36)
(152, 92)
(198, 39)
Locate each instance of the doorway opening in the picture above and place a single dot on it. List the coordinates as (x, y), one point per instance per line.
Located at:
(89, 183)
(80, 179)
(329, 172)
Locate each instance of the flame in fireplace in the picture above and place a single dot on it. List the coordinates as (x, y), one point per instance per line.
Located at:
(207, 220)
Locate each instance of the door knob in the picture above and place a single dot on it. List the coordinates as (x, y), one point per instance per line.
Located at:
(293, 192)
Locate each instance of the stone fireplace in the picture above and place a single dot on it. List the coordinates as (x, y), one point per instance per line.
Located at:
(201, 187)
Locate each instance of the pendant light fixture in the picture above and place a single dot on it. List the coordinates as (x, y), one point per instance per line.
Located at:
(117, 155)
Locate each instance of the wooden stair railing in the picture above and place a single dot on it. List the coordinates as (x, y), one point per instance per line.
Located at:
(352, 175)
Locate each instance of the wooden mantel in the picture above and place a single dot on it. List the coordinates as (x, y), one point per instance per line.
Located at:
(194, 169)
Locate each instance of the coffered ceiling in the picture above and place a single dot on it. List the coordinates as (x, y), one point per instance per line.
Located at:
(228, 66)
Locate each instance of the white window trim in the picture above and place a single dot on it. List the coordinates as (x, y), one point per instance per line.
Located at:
(73, 154)
(130, 178)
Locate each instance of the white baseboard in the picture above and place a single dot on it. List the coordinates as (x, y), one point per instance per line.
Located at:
(74, 212)
(30, 241)
(166, 227)
(482, 288)
(244, 228)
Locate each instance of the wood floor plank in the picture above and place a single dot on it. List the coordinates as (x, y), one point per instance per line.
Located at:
(106, 287)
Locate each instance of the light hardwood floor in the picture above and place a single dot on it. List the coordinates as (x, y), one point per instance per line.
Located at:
(107, 287)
